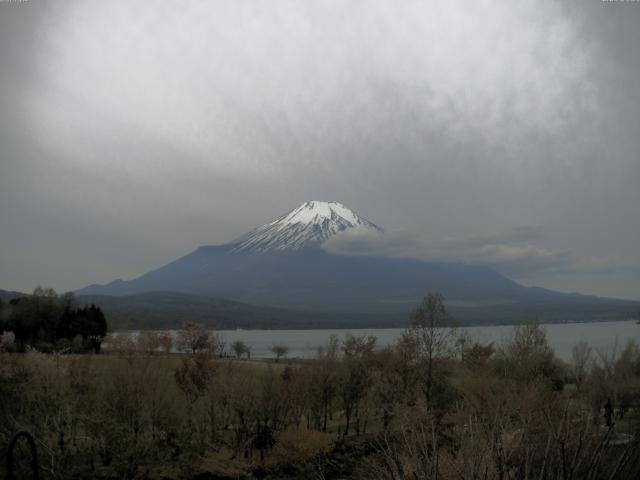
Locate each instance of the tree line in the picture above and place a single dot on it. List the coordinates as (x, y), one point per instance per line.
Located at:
(49, 322)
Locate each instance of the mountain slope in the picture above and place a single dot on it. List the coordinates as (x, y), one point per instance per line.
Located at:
(162, 310)
(7, 295)
(280, 265)
(316, 281)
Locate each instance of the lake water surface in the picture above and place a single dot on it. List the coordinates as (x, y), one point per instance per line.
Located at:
(601, 336)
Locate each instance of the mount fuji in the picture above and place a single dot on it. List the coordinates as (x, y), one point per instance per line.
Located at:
(281, 265)
(309, 225)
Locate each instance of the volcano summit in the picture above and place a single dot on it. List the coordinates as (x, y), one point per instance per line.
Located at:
(309, 225)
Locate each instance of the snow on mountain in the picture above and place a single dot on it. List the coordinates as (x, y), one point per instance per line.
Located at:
(308, 225)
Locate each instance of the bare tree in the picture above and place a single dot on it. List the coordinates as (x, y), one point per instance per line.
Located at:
(280, 350)
(580, 358)
(239, 348)
(321, 384)
(195, 338)
(527, 356)
(356, 375)
(148, 342)
(432, 329)
(195, 374)
(165, 341)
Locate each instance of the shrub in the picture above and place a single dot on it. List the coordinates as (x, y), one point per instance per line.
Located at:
(7, 340)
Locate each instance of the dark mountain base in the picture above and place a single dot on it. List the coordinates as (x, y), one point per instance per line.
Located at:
(168, 310)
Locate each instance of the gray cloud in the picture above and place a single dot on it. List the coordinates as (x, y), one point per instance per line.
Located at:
(133, 132)
(512, 252)
(515, 252)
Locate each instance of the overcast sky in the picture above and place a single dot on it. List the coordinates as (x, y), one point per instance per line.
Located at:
(499, 132)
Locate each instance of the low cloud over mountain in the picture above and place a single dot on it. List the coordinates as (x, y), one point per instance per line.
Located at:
(513, 252)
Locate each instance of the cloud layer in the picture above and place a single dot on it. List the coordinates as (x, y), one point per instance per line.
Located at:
(513, 252)
(268, 86)
(133, 132)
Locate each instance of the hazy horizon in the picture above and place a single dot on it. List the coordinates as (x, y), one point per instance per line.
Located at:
(495, 133)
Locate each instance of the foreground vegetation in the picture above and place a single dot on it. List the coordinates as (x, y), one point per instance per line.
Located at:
(434, 405)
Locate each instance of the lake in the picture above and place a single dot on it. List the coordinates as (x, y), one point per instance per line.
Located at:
(601, 336)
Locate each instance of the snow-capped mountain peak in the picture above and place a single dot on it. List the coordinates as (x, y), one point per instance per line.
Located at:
(308, 225)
